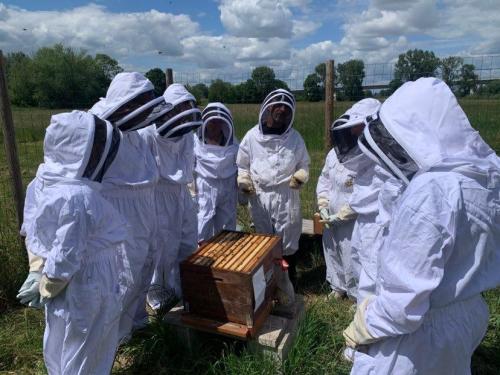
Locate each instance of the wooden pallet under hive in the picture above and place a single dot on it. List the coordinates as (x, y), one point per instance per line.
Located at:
(231, 280)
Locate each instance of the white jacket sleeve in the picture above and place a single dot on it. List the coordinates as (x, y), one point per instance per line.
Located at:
(324, 187)
(302, 156)
(412, 261)
(243, 158)
(65, 255)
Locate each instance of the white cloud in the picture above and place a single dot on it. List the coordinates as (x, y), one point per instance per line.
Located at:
(265, 18)
(256, 18)
(476, 21)
(302, 28)
(225, 50)
(95, 29)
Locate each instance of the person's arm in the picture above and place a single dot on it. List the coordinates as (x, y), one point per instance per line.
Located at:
(301, 175)
(412, 260)
(245, 183)
(65, 256)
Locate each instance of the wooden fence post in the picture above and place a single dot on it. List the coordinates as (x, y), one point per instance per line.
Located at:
(329, 102)
(9, 140)
(169, 77)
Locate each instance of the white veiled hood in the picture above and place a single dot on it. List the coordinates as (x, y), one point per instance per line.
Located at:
(425, 118)
(66, 147)
(123, 88)
(215, 161)
(177, 93)
(359, 111)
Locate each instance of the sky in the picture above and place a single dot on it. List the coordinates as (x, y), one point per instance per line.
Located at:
(210, 38)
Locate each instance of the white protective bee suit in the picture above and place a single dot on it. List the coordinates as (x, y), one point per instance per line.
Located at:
(373, 200)
(129, 186)
(428, 316)
(335, 186)
(80, 237)
(171, 142)
(215, 175)
(268, 164)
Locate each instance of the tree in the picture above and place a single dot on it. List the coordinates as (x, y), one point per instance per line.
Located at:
(416, 63)
(65, 78)
(20, 79)
(157, 78)
(491, 89)
(265, 81)
(450, 70)
(312, 88)
(107, 68)
(220, 91)
(320, 70)
(468, 81)
(107, 65)
(351, 75)
(202, 90)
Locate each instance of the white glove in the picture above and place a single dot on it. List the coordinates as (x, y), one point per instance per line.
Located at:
(29, 292)
(245, 184)
(328, 219)
(50, 288)
(357, 333)
(299, 178)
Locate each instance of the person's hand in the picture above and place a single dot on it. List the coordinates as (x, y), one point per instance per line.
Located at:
(357, 333)
(327, 219)
(29, 293)
(245, 184)
(298, 179)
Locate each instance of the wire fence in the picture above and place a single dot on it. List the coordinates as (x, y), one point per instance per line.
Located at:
(243, 93)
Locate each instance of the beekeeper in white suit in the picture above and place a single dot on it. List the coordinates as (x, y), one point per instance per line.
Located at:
(428, 315)
(335, 185)
(215, 150)
(80, 238)
(130, 182)
(273, 164)
(170, 139)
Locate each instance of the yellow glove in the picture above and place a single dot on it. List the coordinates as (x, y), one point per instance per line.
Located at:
(192, 188)
(49, 288)
(35, 262)
(299, 178)
(346, 213)
(245, 184)
(323, 203)
(357, 334)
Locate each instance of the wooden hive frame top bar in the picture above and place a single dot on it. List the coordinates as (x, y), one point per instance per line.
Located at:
(233, 251)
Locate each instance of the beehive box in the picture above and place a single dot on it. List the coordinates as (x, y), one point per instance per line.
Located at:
(231, 278)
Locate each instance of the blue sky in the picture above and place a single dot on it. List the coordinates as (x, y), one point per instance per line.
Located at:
(230, 37)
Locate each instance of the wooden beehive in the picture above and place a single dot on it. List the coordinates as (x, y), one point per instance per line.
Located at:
(231, 278)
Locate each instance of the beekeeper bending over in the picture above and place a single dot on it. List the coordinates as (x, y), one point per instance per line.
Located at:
(427, 315)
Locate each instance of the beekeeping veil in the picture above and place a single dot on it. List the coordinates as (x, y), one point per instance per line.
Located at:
(279, 97)
(129, 100)
(78, 145)
(217, 111)
(422, 126)
(184, 116)
(343, 139)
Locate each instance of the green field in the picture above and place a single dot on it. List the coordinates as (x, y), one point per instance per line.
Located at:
(157, 349)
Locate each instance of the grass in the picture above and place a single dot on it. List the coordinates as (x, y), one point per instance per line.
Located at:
(157, 350)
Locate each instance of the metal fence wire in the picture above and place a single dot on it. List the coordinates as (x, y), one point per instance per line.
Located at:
(478, 89)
